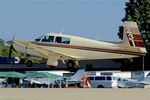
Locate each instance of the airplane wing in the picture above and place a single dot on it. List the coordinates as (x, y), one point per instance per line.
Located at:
(146, 83)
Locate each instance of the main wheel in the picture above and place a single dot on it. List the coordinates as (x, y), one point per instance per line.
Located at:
(70, 64)
(29, 63)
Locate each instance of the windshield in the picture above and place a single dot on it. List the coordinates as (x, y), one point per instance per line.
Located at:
(48, 38)
(39, 38)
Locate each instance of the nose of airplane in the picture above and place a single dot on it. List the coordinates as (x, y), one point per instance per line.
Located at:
(10, 48)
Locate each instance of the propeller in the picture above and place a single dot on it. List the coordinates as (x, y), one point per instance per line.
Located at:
(11, 47)
(10, 51)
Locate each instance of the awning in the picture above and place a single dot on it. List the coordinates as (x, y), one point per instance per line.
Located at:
(42, 75)
(12, 74)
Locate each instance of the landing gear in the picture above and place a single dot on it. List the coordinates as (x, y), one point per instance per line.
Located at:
(29, 63)
(70, 64)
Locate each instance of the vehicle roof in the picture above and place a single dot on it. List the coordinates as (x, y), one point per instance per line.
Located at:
(101, 76)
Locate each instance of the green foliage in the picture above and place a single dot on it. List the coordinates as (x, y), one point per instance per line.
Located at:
(2, 44)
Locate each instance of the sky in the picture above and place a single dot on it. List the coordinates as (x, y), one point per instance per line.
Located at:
(28, 19)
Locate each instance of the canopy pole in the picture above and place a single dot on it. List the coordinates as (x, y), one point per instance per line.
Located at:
(143, 64)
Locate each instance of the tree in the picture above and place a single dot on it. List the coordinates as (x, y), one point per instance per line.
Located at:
(2, 46)
(138, 11)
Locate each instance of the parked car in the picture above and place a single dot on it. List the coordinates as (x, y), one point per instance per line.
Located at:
(103, 81)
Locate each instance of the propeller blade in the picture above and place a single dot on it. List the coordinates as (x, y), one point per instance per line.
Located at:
(10, 51)
(13, 38)
(11, 47)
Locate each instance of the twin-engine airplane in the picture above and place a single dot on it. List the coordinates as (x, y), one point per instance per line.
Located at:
(71, 49)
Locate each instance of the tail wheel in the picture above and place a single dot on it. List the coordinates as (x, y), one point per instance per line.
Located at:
(29, 63)
(70, 64)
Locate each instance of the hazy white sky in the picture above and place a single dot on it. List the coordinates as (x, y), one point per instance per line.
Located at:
(28, 19)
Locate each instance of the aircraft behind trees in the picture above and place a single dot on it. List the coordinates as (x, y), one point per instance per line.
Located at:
(70, 49)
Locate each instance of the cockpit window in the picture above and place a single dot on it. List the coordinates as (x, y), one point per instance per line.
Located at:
(48, 38)
(62, 40)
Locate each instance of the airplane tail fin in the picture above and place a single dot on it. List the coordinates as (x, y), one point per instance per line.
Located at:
(147, 79)
(131, 35)
(78, 75)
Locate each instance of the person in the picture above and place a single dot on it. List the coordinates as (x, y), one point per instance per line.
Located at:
(31, 82)
(13, 83)
(2, 82)
(20, 83)
(5, 82)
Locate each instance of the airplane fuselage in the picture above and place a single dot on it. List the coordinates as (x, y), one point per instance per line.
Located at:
(55, 46)
(80, 48)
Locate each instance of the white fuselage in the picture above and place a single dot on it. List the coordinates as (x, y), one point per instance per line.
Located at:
(79, 48)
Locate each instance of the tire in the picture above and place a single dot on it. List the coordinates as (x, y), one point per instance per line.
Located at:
(100, 86)
(29, 63)
(70, 64)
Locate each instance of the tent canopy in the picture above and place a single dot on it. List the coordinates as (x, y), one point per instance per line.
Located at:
(12, 74)
(29, 75)
(42, 75)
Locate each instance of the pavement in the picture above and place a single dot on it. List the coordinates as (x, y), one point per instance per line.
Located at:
(73, 94)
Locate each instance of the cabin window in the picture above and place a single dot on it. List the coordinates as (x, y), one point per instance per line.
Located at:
(108, 78)
(91, 78)
(99, 78)
(62, 40)
(48, 38)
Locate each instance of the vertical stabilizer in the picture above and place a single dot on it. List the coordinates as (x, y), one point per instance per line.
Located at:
(132, 36)
(147, 79)
(78, 75)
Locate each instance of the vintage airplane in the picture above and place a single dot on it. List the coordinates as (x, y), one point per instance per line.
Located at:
(71, 49)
